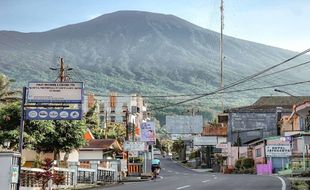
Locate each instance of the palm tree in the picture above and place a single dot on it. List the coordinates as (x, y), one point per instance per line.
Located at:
(6, 95)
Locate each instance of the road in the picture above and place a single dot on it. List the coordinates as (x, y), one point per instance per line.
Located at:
(176, 177)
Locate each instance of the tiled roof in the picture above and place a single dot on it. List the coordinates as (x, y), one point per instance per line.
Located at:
(103, 144)
(281, 100)
(270, 103)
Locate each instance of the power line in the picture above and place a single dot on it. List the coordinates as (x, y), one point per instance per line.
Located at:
(276, 72)
(261, 88)
(237, 82)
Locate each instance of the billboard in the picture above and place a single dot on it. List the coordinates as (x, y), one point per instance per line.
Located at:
(279, 150)
(134, 146)
(148, 132)
(53, 92)
(184, 124)
(204, 141)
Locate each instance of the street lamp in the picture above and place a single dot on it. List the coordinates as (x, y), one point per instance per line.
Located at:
(282, 91)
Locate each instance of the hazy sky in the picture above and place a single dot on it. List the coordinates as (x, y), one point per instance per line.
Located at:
(281, 23)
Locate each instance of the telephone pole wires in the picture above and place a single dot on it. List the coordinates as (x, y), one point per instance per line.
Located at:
(63, 75)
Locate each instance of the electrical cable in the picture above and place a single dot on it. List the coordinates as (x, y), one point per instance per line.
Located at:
(237, 82)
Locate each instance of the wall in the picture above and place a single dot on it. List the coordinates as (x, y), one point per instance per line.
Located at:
(246, 121)
(87, 155)
(30, 155)
(259, 159)
(232, 154)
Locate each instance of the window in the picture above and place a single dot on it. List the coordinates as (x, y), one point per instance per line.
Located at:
(124, 118)
(258, 152)
(112, 118)
(112, 109)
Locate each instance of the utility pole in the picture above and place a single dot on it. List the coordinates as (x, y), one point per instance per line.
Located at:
(127, 139)
(221, 53)
(62, 76)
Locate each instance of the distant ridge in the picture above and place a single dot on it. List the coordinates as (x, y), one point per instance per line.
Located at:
(148, 53)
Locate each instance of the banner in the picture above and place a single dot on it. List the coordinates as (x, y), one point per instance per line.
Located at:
(148, 132)
(52, 92)
(281, 150)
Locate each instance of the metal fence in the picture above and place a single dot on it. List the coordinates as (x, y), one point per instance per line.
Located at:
(106, 175)
(86, 175)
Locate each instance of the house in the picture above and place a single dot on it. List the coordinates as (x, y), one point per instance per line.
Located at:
(275, 149)
(261, 119)
(100, 150)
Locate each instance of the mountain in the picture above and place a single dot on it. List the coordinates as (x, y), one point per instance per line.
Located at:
(148, 53)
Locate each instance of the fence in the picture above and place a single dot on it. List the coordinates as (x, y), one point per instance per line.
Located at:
(32, 177)
(85, 175)
(68, 177)
(134, 169)
(106, 175)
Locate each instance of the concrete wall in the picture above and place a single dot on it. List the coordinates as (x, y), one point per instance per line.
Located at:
(30, 155)
(88, 155)
(247, 121)
(259, 159)
(232, 154)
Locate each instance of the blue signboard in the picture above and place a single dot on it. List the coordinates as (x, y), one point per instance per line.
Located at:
(54, 114)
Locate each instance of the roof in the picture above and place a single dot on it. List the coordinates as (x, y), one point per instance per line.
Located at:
(270, 104)
(281, 100)
(88, 135)
(102, 144)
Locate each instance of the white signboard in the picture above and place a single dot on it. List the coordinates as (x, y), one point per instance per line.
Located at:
(281, 150)
(48, 92)
(175, 137)
(184, 124)
(204, 141)
(148, 132)
(134, 146)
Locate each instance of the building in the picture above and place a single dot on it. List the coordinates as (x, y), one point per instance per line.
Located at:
(261, 119)
(114, 108)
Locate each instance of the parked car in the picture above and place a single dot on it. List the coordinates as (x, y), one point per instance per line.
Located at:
(156, 151)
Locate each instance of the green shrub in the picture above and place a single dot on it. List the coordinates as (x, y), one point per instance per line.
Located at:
(247, 163)
(238, 165)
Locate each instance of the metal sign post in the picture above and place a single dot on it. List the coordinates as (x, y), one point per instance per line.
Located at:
(21, 135)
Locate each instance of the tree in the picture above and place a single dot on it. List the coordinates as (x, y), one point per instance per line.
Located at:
(116, 131)
(9, 123)
(65, 136)
(178, 147)
(93, 123)
(6, 95)
(41, 136)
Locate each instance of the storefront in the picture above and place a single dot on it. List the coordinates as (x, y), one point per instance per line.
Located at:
(279, 155)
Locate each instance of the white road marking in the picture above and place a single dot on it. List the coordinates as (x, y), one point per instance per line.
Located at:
(205, 181)
(183, 187)
(169, 171)
(283, 183)
(214, 177)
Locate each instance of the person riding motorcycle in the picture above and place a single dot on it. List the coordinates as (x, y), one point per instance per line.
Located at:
(155, 166)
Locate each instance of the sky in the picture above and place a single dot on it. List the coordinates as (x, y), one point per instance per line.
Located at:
(279, 23)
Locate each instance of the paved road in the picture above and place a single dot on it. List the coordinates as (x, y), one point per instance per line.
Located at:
(175, 177)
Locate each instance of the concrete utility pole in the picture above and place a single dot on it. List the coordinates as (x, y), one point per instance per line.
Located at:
(221, 53)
